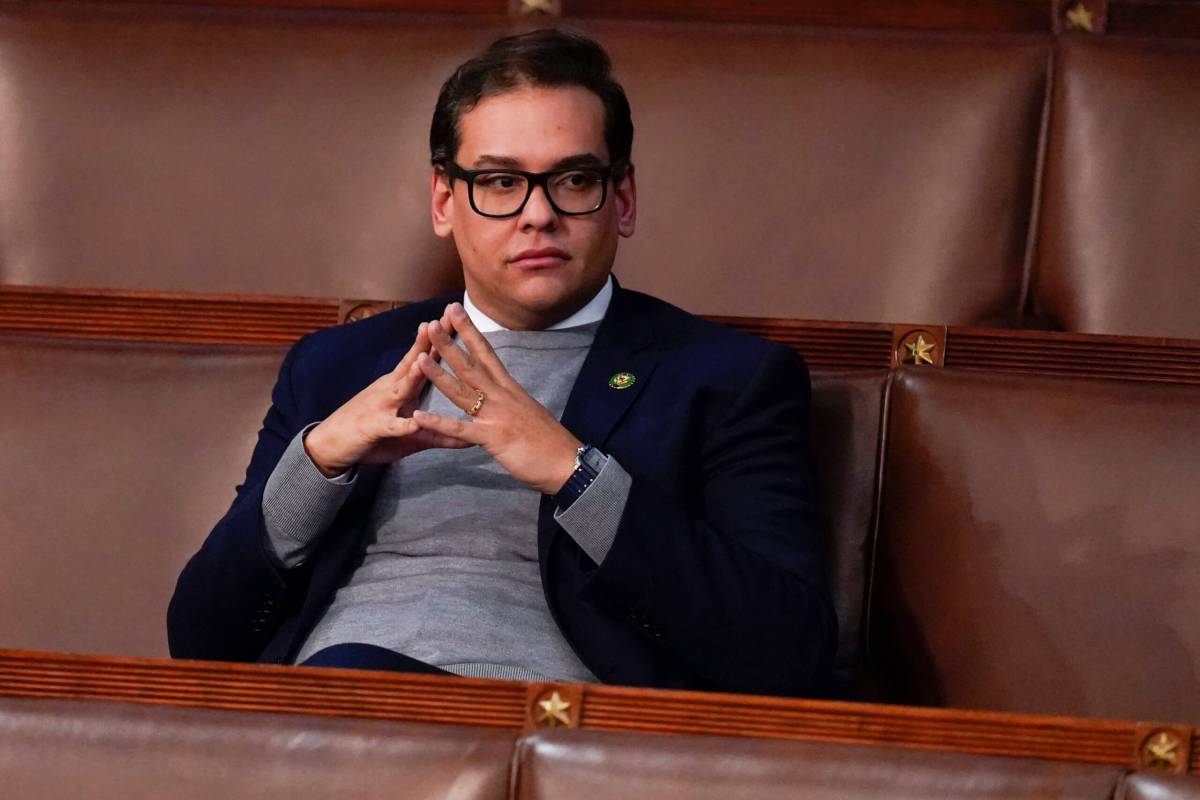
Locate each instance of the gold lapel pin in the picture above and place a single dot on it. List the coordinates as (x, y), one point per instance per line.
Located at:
(622, 380)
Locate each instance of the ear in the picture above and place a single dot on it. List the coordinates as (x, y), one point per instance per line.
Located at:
(442, 203)
(625, 195)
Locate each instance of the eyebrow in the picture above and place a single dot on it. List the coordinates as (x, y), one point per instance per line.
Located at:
(507, 162)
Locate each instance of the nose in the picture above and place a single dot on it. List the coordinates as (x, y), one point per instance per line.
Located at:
(538, 214)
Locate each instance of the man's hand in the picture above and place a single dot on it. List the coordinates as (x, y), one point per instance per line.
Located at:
(376, 426)
(513, 427)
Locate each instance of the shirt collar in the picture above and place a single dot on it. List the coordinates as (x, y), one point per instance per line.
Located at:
(593, 311)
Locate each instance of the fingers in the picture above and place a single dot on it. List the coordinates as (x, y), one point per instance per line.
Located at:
(405, 387)
(458, 429)
(463, 363)
(473, 340)
(403, 427)
(421, 344)
(478, 364)
(442, 441)
(456, 390)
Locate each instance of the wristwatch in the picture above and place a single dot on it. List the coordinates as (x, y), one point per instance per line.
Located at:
(588, 463)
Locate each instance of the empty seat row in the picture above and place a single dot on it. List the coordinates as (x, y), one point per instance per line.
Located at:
(971, 179)
(68, 749)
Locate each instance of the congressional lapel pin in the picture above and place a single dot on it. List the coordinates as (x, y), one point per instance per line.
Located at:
(622, 380)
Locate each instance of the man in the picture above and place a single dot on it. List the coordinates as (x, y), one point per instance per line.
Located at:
(554, 478)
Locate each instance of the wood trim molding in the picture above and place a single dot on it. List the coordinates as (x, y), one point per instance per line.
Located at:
(1138, 358)
(1014, 16)
(161, 317)
(1152, 18)
(506, 704)
(208, 319)
(846, 345)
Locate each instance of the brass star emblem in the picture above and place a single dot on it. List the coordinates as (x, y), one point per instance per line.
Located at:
(919, 351)
(1162, 750)
(554, 711)
(536, 6)
(1079, 18)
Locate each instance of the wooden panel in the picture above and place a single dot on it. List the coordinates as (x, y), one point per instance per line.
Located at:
(981, 15)
(1155, 18)
(244, 687)
(504, 704)
(483, 8)
(1059, 738)
(259, 320)
(161, 317)
(1078, 355)
(824, 344)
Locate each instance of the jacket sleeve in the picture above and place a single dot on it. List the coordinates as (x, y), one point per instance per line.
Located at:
(728, 575)
(233, 593)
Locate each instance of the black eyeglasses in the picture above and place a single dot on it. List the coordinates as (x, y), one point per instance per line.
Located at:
(499, 193)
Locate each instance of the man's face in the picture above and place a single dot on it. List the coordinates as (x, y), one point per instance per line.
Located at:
(538, 267)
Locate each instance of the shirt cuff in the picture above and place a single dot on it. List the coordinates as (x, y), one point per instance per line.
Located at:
(593, 519)
(299, 503)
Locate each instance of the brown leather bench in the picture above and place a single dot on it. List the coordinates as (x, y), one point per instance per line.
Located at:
(62, 750)
(67, 749)
(1118, 244)
(117, 460)
(1035, 547)
(885, 151)
(823, 174)
(1039, 545)
(785, 171)
(122, 456)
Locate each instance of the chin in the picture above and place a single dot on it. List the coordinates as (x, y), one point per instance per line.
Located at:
(544, 292)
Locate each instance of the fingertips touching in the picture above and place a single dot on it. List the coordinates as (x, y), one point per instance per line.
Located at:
(426, 365)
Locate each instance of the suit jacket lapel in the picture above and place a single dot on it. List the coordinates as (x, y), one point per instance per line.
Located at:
(622, 345)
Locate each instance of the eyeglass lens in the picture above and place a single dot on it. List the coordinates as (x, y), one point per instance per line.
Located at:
(503, 193)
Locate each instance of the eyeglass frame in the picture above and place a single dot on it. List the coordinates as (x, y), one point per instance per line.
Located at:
(532, 180)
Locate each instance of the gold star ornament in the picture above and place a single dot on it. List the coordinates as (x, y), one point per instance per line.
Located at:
(919, 351)
(1079, 18)
(552, 711)
(1162, 750)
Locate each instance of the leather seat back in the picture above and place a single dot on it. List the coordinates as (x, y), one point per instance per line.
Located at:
(783, 172)
(1039, 548)
(845, 427)
(601, 766)
(62, 750)
(118, 460)
(1119, 232)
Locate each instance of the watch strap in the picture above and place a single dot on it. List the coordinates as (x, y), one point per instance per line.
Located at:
(588, 463)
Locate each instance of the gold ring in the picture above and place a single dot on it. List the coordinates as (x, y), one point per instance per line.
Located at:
(473, 410)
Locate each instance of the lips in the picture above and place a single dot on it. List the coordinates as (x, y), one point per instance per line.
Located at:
(541, 258)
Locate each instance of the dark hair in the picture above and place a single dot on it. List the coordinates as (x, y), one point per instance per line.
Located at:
(546, 57)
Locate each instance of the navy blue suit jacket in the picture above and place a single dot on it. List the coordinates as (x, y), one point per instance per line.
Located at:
(715, 579)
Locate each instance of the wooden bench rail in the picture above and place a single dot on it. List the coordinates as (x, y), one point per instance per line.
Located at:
(208, 319)
(1163, 18)
(521, 706)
